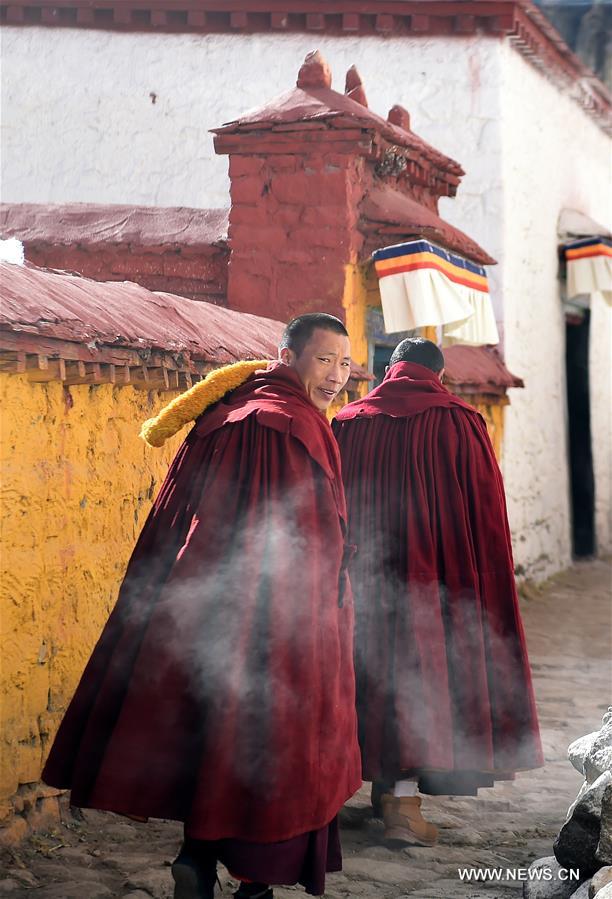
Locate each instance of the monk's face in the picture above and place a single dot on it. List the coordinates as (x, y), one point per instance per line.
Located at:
(323, 366)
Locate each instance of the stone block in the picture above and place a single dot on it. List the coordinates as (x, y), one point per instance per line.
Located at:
(325, 190)
(604, 848)
(265, 237)
(245, 165)
(284, 162)
(248, 189)
(76, 889)
(250, 215)
(321, 290)
(600, 880)
(288, 216)
(249, 292)
(577, 843)
(45, 814)
(156, 883)
(557, 887)
(577, 750)
(320, 237)
(598, 758)
(583, 891)
(248, 259)
(14, 831)
(22, 876)
(326, 217)
(294, 255)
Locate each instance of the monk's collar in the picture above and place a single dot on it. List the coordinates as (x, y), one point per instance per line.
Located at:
(411, 370)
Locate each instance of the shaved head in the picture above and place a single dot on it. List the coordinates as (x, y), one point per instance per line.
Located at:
(417, 349)
(299, 330)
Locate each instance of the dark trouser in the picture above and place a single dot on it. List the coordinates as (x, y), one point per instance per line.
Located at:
(304, 859)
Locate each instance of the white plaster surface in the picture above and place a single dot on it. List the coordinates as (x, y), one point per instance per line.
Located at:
(79, 124)
(554, 157)
(600, 359)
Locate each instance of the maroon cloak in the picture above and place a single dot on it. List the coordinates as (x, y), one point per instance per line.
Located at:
(221, 692)
(443, 682)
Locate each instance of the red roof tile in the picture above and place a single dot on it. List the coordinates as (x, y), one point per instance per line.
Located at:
(477, 369)
(395, 214)
(92, 224)
(321, 104)
(68, 307)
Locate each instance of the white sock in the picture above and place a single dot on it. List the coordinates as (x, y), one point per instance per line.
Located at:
(405, 788)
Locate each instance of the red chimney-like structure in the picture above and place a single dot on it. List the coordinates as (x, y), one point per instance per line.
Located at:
(318, 179)
(297, 177)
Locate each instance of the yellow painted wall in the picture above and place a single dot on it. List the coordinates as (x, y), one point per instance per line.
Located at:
(493, 415)
(355, 304)
(77, 484)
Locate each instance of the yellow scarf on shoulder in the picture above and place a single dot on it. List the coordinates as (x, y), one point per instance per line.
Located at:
(189, 405)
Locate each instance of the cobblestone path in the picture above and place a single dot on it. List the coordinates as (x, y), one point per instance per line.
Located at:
(569, 631)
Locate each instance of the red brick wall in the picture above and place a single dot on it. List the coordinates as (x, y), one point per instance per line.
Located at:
(293, 227)
(187, 272)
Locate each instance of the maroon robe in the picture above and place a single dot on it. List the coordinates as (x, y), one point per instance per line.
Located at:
(443, 682)
(221, 692)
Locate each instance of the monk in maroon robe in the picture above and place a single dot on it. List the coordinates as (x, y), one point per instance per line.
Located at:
(444, 692)
(221, 692)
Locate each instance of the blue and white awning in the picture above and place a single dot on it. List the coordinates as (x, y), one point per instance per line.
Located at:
(422, 285)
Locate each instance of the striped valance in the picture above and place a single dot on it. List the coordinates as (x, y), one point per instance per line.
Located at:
(423, 285)
(589, 266)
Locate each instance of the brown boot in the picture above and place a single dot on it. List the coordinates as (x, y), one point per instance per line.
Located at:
(404, 822)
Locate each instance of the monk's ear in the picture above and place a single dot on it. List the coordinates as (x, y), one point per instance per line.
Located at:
(286, 355)
(441, 375)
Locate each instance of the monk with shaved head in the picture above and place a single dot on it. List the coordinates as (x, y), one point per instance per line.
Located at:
(221, 692)
(444, 695)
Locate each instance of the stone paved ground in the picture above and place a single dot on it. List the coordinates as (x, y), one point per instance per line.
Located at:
(569, 629)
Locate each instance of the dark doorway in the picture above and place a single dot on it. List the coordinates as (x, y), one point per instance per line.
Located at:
(382, 354)
(580, 453)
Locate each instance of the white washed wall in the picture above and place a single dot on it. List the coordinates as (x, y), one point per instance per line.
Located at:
(600, 373)
(79, 123)
(554, 156)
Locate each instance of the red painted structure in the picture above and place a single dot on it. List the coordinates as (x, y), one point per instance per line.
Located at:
(177, 250)
(477, 371)
(314, 175)
(519, 20)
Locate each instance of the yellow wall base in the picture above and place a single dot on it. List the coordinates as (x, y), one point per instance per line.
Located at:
(77, 484)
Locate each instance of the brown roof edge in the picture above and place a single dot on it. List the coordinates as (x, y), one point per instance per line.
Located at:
(300, 106)
(95, 224)
(478, 369)
(54, 305)
(391, 216)
(57, 326)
